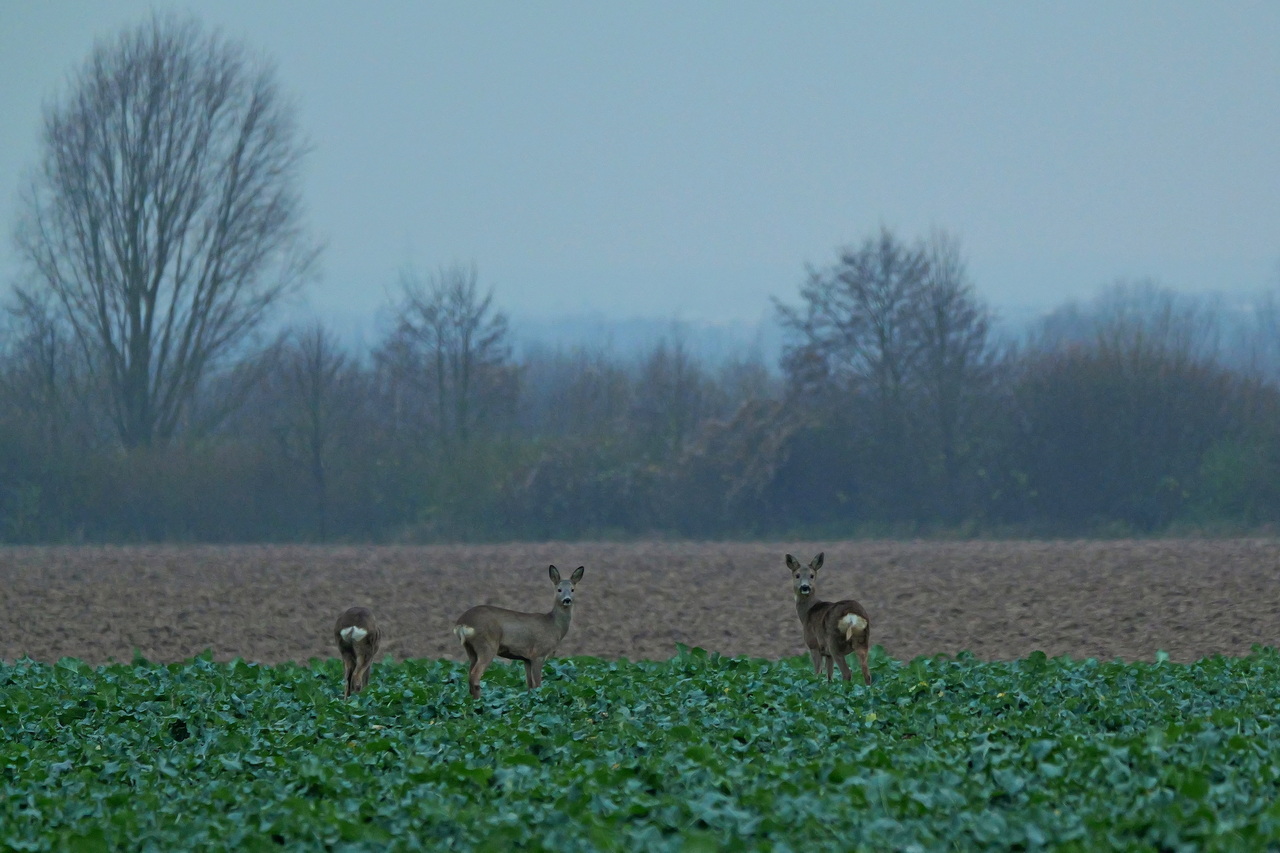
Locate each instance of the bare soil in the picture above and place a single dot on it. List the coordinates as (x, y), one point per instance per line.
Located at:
(999, 600)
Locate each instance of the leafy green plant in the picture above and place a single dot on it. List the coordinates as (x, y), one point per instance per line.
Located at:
(697, 752)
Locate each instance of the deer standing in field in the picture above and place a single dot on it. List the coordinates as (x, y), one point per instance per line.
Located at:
(832, 629)
(486, 631)
(358, 638)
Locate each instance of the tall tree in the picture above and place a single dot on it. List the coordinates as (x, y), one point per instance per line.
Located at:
(956, 369)
(454, 346)
(165, 215)
(857, 322)
(672, 396)
(894, 351)
(38, 378)
(318, 387)
(858, 343)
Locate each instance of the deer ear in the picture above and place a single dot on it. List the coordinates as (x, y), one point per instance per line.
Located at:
(817, 561)
(555, 574)
(792, 563)
(577, 574)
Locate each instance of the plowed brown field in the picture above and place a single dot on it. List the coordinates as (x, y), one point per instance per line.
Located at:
(1114, 599)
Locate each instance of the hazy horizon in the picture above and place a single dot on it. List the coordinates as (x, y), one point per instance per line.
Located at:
(686, 161)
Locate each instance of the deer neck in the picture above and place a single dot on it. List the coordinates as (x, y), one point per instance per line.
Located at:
(805, 603)
(560, 617)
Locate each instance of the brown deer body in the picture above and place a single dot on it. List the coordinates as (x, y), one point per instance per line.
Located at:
(358, 639)
(832, 629)
(487, 632)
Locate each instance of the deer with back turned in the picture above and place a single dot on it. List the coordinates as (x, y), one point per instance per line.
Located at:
(832, 629)
(358, 638)
(486, 632)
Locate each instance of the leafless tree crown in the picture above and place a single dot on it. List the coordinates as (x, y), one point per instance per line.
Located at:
(897, 327)
(165, 215)
(454, 347)
(859, 320)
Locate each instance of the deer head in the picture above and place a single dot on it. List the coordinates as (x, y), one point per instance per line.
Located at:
(564, 589)
(804, 579)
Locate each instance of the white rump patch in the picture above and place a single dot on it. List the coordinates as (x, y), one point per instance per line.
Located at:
(353, 634)
(464, 632)
(852, 623)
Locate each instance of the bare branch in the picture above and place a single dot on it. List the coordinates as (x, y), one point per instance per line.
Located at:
(165, 217)
(452, 345)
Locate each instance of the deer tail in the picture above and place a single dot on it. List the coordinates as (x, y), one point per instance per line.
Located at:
(464, 632)
(353, 634)
(852, 623)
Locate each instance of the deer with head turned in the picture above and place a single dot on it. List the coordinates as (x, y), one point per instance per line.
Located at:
(832, 629)
(358, 638)
(486, 631)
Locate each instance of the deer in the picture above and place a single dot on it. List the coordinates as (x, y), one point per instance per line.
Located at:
(832, 629)
(486, 631)
(358, 639)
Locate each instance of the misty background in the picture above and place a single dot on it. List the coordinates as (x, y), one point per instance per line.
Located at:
(737, 269)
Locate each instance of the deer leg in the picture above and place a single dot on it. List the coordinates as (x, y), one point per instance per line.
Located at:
(827, 658)
(533, 672)
(480, 660)
(817, 661)
(364, 662)
(844, 668)
(348, 669)
(357, 671)
(861, 652)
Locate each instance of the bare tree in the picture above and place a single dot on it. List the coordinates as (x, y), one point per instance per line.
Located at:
(318, 381)
(1259, 335)
(672, 396)
(43, 379)
(582, 392)
(857, 323)
(893, 342)
(454, 346)
(165, 215)
(957, 362)
(1142, 317)
(856, 354)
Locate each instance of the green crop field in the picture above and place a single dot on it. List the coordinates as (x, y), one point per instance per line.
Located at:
(698, 752)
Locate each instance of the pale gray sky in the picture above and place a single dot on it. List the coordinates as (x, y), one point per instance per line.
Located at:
(686, 159)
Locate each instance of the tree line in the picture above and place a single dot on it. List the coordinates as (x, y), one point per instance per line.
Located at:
(147, 392)
(896, 409)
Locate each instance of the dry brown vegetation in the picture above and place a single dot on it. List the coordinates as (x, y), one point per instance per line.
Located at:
(1125, 599)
